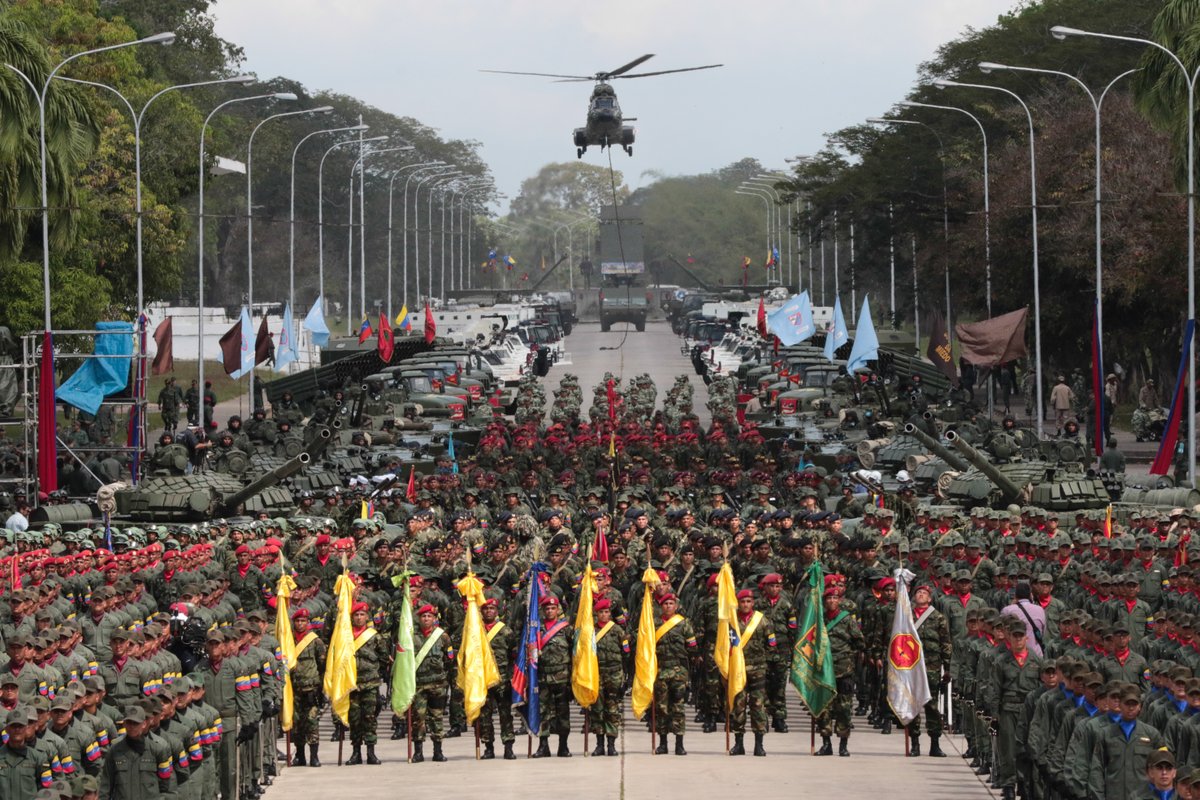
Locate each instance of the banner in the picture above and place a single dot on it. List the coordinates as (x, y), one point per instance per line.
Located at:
(839, 334)
(314, 323)
(286, 352)
(994, 341)
(1166, 448)
(938, 350)
(907, 682)
(97, 378)
(164, 356)
(866, 343)
(793, 322)
(812, 655)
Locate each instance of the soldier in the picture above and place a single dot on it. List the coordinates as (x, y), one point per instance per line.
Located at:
(307, 681)
(1160, 779)
(23, 770)
(938, 649)
(1120, 758)
(757, 640)
(169, 400)
(191, 401)
(499, 701)
(776, 605)
(135, 768)
(675, 648)
(845, 643)
(435, 655)
(1016, 674)
(612, 650)
(371, 659)
(554, 678)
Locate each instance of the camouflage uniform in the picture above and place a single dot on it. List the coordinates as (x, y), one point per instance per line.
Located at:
(432, 686)
(754, 697)
(779, 658)
(845, 642)
(499, 699)
(307, 681)
(674, 648)
(611, 651)
(554, 683)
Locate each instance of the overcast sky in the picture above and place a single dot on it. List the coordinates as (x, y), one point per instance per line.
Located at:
(794, 69)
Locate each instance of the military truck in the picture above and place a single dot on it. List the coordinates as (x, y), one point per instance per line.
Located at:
(623, 306)
(622, 266)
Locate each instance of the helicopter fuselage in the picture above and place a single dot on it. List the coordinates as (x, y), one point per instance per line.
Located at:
(604, 126)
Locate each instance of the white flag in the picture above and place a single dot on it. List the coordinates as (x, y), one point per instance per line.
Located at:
(907, 683)
(285, 351)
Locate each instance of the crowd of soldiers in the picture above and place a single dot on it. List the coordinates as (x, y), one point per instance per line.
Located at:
(1067, 658)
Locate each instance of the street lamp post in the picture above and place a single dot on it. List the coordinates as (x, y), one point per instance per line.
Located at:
(391, 188)
(437, 182)
(434, 168)
(1060, 32)
(434, 173)
(361, 167)
(749, 191)
(250, 215)
(200, 229)
(321, 214)
(941, 83)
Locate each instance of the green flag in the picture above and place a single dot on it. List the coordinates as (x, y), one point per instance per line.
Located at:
(812, 657)
(404, 671)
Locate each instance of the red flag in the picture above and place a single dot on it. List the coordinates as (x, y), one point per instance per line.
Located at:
(430, 326)
(47, 437)
(231, 348)
(762, 318)
(264, 345)
(14, 583)
(612, 401)
(1166, 448)
(164, 358)
(387, 342)
(410, 493)
(601, 549)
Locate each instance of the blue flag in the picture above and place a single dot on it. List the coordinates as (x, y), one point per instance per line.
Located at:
(314, 323)
(866, 343)
(285, 348)
(839, 334)
(450, 452)
(525, 671)
(247, 346)
(793, 322)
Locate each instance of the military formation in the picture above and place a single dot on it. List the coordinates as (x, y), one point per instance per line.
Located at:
(141, 661)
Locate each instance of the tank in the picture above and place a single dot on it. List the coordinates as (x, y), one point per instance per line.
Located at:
(1052, 486)
(202, 496)
(936, 447)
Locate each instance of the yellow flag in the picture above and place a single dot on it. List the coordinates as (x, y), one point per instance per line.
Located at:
(612, 445)
(731, 661)
(287, 645)
(585, 666)
(645, 658)
(363, 511)
(341, 672)
(477, 670)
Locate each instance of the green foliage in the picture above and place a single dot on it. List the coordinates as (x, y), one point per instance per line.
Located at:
(78, 297)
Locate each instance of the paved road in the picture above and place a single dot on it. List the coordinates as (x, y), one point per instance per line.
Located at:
(627, 354)
(876, 768)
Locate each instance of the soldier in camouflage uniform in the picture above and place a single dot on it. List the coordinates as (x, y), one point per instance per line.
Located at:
(779, 608)
(371, 658)
(501, 638)
(169, 400)
(435, 655)
(938, 650)
(675, 648)
(845, 643)
(758, 639)
(307, 681)
(554, 678)
(612, 650)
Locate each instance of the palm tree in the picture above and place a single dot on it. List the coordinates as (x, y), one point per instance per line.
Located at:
(1160, 88)
(72, 135)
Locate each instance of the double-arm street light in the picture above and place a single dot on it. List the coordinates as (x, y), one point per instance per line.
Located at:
(391, 191)
(321, 212)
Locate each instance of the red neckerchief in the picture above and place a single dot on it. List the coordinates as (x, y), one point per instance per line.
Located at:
(300, 636)
(1130, 604)
(322, 560)
(976, 561)
(1122, 656)
(919, 612)
(1021, 657)
(359, 631)
(746, 618)
(120, 663)
(990, 638)
(773, 600)
(243, 570)
(1044, 602)
(964, 599)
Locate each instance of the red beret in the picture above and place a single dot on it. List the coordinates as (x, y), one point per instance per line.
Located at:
(242, 548)
(491, 601)
(666, 597)
(357, 607)
(923, 587)
(549, 600)
(745, 593)
(426, 609)
(300, 613)
(712, 580)
(662, 575)
(323, 538)
(770, 577)
(170, 555)
(603, 603)
(830, 593)
(884, 583)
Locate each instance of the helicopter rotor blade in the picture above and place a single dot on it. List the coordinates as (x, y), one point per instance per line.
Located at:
(540, 74)
(668, 71)
(601, 76)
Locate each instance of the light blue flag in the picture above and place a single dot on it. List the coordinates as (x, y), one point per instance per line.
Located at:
(450, 452)
(314, 323)
(793, 322)
(285, 348)
(866, 343)
(839, 334)
(247, 352)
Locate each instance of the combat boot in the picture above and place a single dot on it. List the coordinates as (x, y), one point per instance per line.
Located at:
(983, 769)
(339, 732)
(887, 726)
(915, 745)
(509, 755)
(969, 752)
(612, 745)
(489, 752)
(563, 750)
(842, 749)
(599, 750)
(313, 761)
(679, 751)
(826, 747)
(543, 750)
(355, 757)
(399, 729)
(758, 744)
(661, 750)
(372, 759)
(709, 726)
(418, 752)
(298, 759)
(1010, 793)
(935, 749)
(437, 750)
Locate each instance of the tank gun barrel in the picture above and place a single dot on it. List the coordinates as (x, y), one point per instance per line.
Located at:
(1011, 492)
(936, 447)
(317, 446)
(286, 470)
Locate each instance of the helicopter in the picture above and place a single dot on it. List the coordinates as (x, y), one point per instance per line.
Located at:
(605, 126)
